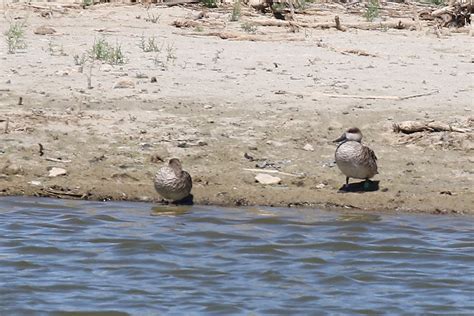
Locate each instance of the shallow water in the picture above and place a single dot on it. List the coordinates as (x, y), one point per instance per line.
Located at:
(59, 257)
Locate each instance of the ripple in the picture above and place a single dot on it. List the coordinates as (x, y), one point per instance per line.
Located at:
(88, 258)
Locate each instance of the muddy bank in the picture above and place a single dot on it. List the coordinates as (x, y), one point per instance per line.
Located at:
(224, 107)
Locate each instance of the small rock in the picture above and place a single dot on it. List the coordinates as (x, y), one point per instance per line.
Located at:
(106, 68)
(153, 79)
(275, 143)
(36, 183)
(249, 157)
(44, 30)
(141, 76)
(124, 84)
(12, 169)
(145, 146)
(55, 172)
(267, 179)
(207, 106)
(201, 143)
(308, 147)
(320, 186)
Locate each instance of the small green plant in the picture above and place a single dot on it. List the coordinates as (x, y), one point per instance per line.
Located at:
(217, 55)
(249, 27)
(437, 2)
(152, 18)
(87, 3)
(278, 6)
(236, 11)
(116, 55)
(56, 50)
(209, 3)
(372, 10)
(149, 45)
(15, 37)
(170, 53)
(102, 50)
(199, 28)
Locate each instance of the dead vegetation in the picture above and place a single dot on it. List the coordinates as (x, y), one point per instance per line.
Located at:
(436, 134)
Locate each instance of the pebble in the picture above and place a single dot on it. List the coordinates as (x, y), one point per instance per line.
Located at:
(55, 172)
(124, 84)
(308, 147)
(36, 183)
(44, 30)
(106, 68)
(12, 169)
(267, 179)
(320, 186)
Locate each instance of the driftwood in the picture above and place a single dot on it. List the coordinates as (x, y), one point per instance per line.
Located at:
(186, 23)
(410, 127)
(379, 97)
(338, 25)
(457, 15)
(176, 2)
(274, 171)
(241, 37)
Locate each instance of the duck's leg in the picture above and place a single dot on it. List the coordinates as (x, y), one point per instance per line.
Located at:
(346, 186)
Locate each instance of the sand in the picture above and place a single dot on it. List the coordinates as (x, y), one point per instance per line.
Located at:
(227, 107)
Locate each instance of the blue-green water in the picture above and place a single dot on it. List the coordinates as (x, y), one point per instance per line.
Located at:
(59, 257)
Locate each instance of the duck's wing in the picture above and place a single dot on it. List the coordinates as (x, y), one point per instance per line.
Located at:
(187, 180)
(371, 153)
(368, 155)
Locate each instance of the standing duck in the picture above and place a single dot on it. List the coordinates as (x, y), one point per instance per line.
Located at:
(354, 159)
(172, 182)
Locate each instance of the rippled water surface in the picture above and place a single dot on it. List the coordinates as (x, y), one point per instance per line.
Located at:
(60, 257)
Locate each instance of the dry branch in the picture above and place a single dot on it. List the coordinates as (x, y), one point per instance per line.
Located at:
(240, 37)
(379, 97)
(362, 26)
(176, 2)
(274, 171)
(410, 127)
(186, 23)
(457, 15)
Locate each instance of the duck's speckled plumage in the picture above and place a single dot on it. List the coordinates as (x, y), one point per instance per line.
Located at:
(354, 159)
(172, 182)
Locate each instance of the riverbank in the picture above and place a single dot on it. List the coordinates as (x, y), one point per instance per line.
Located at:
(224, 107)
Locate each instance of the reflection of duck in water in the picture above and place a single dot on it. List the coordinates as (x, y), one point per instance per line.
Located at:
(172, 182)
(354, 159)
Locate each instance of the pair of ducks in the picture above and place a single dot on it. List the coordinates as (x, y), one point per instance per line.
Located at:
(353, 159)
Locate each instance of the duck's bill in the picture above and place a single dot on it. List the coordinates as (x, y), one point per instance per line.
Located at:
(340, 139)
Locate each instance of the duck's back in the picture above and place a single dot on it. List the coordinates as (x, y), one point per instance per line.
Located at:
(356, 160)
(171, 187)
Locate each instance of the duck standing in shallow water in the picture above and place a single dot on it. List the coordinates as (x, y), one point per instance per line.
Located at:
(354, 159)
(172, 182)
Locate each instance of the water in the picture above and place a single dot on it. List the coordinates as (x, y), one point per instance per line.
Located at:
(59, 257)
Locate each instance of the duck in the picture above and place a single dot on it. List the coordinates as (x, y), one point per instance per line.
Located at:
(172, 182)
(354, 159)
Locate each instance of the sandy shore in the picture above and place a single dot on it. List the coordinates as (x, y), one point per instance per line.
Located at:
(225, 106)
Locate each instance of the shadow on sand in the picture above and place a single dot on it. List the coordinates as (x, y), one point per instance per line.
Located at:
(359, 187)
